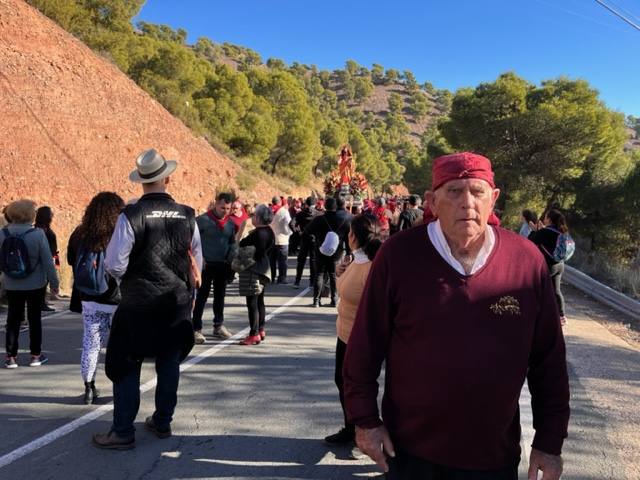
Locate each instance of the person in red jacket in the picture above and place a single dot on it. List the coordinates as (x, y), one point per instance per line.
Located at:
(461, 312)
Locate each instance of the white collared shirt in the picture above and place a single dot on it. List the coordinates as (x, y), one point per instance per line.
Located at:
(360, 257)
(440, 244)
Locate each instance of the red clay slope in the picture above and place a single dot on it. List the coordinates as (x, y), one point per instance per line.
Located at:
(72, 124)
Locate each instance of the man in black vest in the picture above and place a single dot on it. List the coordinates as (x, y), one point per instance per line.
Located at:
(334, 220)
(149, 254)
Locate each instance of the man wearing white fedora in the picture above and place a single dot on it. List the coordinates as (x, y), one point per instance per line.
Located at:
(149, 255)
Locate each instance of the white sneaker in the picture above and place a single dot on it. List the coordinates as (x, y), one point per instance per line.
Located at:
(222, 332)
(199, 338)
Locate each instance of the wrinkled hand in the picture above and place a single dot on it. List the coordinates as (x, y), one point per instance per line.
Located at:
(551, 465)
(375, 443)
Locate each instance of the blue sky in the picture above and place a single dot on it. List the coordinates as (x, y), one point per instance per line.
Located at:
(451, 43)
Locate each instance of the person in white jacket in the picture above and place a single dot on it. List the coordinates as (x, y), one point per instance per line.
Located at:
(282, 231)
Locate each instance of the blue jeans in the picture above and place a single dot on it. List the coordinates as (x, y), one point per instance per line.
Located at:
(126, 395)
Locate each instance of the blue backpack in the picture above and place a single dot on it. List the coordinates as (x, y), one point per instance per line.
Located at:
(565, 246)
(89, 274)
(14, 255)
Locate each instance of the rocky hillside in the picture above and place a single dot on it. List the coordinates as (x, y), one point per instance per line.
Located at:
(71, 125)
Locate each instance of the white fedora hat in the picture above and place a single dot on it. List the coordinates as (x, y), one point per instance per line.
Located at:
(151, 167)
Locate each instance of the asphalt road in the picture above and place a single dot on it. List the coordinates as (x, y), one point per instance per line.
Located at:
(262, 411)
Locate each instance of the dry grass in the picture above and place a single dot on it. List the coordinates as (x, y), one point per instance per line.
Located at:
(623, 278)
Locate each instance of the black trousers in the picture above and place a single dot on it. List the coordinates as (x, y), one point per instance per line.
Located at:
(341, 350)
(556, 272)
(408, 467)
(324, 265)
(294, 243)
(218, 274)
(307, 249)
(278, 258)
(17, 300)
(257, 313)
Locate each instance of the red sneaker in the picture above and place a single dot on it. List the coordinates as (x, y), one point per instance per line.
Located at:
(250, 340)
(262, 334)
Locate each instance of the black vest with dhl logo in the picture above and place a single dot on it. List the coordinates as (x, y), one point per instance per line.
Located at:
(158, 270)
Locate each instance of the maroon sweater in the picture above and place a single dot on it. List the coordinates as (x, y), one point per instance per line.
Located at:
(457, 351)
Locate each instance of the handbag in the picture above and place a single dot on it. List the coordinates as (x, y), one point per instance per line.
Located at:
(243, 259)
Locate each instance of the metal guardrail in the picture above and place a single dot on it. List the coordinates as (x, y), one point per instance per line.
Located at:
(601, 292)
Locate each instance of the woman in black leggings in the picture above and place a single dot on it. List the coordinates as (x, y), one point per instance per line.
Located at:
(253, 281)
(546, 237)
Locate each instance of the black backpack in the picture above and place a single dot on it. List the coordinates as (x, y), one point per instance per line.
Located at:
(14, 255)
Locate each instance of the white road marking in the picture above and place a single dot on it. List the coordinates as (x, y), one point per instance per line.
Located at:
(89, 417)
(245, 463)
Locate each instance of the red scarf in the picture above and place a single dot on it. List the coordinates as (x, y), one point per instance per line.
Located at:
(220, 222)
(238, 220)
(381, 213)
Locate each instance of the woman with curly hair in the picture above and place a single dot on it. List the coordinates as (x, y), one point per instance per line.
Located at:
(85, 253)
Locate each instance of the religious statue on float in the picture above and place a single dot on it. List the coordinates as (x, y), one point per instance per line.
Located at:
(346, 165)
(345, 180)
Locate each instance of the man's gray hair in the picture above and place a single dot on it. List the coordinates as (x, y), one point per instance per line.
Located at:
(263, 215)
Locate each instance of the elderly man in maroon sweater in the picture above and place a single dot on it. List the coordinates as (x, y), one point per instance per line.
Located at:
(461, 312)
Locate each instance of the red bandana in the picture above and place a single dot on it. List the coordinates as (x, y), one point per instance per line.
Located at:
(220, 222)
(461, 165)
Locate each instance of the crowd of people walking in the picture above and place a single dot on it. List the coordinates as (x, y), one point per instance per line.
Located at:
(437, 304)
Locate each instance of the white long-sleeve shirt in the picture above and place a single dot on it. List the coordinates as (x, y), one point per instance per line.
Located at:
(117, 257)
(436, 235)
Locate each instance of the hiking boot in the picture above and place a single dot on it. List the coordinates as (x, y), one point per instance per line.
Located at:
(151, 425)
(199, 337)
(222, 332)
(112, 441)
(37, 360)
(343, 437)
(262, 334)
(10, 362)
(250, 340)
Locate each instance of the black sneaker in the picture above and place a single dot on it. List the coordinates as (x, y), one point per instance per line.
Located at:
(150, 425)
(47, 308)
(343, 437)
(10, 362)
(37, 360)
